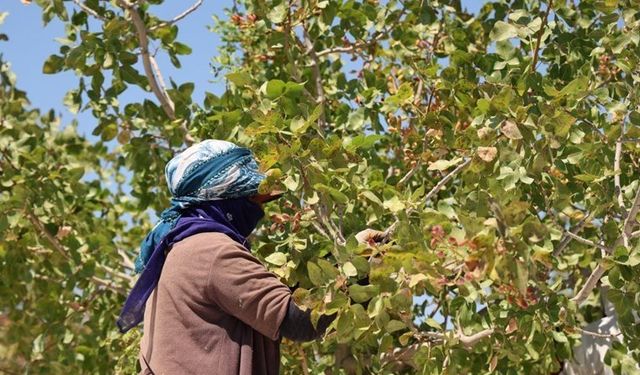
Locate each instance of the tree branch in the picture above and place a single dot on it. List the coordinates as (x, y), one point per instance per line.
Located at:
(59, 247)
(566, 239)
(617, 171)
(152, 70)
(88, 10)
(588, 286)
(446, 179)
(352, 48)
(180, 16)
(389, 231)
(317, 77)
(540, 32)
(587, 242)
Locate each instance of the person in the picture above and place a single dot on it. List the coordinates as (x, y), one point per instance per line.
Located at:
(208, 306)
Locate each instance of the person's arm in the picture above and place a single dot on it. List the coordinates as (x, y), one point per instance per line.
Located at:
(242, 287)
(297, 325)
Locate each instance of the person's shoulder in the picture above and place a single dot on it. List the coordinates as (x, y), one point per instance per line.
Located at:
(208, 240)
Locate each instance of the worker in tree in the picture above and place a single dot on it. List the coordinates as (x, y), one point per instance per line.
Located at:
(208, 305)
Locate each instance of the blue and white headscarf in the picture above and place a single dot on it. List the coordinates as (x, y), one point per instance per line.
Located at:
(209, 182)
(207, 171)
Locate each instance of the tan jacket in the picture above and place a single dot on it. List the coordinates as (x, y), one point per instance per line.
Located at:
(216, 310)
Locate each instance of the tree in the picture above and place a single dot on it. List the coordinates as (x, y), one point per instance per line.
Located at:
(497, 153)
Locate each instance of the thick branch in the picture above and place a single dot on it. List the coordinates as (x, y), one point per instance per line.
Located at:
(143, 40)
(152, 70)
(617, 171)
(317, 77)
(180, 16)
(540, 32)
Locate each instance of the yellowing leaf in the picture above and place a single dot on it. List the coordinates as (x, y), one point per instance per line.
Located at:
(277, 258)
(415, 279)
(349, 269)
(394, 204)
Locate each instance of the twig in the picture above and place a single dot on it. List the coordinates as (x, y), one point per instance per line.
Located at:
(180, 16)
(588, 286)
(303, 359)
(630, 220)
(389, 231)
(410, 174)
(59, 247)
(587, 242)
(600, 335)
(126, 260)
(446, 179)
(565, 240)
(88, 10)
(540, 32)
(352, 48)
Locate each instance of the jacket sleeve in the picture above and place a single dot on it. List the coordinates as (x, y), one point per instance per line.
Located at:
(241, 286)
(297, 325)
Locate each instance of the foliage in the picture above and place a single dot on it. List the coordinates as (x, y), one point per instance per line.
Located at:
(498, 152)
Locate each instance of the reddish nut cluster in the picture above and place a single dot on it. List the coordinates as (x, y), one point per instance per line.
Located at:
(605, 69)
(422, 44)
(279, 221)
(244, 22)
(514, 297)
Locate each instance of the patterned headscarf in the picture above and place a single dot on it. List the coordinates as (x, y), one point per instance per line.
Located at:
(210, 183)
(207, 171)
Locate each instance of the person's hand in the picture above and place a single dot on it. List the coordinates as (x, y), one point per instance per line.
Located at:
(371, 237)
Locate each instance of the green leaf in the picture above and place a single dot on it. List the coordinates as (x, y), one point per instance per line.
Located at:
(503, 31)
(277, 258)
(181, 49)
(394, 204)
(362, 141)
(53, 65)
(239, 79)
(336, 194)
(275, 88)
(362, 293)
(315, 274)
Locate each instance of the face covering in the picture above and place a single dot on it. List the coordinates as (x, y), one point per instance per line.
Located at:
(236, 218)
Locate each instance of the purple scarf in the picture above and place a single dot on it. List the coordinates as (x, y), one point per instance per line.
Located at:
(236, 218)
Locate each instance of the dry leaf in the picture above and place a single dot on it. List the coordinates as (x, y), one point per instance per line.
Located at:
(487, 153)
(485, 133)
(510, 130)
(512, 327)
(493, 363)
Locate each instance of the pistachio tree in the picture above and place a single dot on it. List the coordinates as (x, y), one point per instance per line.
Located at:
(485, 164)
